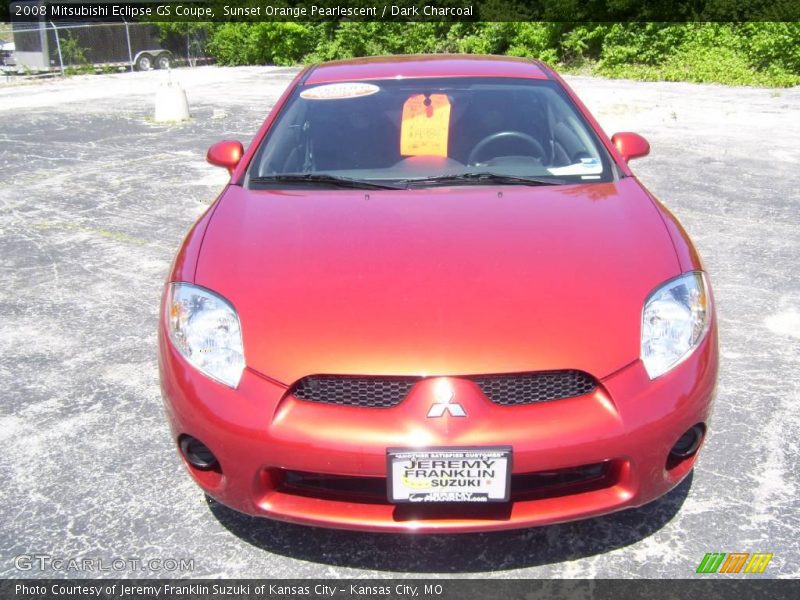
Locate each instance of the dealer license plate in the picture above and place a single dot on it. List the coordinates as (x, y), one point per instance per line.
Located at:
(449, 474)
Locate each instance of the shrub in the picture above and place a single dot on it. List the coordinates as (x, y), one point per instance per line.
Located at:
(535, 40)
(733, 53)
(72, 53)
(702, 52)
(262, 43)
(773, 45)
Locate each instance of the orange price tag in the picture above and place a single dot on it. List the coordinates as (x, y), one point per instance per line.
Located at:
(425, 125)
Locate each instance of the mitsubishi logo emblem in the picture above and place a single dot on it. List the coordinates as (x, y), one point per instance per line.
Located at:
(444, 395)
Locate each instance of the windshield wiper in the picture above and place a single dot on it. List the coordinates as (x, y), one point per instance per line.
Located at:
(480, 179)
(324, 179)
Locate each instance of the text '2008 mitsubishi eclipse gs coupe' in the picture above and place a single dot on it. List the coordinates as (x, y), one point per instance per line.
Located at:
(433, 297)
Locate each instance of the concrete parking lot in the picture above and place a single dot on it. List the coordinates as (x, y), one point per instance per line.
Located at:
(96, 198)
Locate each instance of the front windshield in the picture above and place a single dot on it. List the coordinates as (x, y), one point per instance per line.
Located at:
(418, 130)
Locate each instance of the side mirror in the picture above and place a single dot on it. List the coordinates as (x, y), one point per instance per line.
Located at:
(226, 153)
(630, 145)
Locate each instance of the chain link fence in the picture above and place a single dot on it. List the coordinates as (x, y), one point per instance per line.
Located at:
(46, 46)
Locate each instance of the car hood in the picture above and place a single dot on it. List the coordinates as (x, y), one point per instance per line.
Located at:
(443, 281)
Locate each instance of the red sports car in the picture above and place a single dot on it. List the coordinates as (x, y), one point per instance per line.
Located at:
(434, 297)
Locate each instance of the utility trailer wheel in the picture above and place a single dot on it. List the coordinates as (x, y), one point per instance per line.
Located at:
(144, 62)
(163, 61)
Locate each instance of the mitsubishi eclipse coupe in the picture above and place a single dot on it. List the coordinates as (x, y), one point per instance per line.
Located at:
(433, 297)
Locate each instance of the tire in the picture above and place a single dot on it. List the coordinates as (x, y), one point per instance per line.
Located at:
(163, 61)
(144, 62)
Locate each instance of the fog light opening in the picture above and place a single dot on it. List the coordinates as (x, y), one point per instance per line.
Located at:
(686, 446)
(197, 454)
(689, 442)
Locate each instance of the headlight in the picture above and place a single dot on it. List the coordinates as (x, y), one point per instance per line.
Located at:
(674, 321)
(205, 329)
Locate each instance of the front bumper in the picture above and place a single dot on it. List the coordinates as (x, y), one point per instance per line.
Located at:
(263, 437)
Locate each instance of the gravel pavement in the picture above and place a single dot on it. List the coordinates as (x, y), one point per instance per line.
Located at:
(95, 200)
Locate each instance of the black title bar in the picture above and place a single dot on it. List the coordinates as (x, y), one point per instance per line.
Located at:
(710, 587)
(574, 11)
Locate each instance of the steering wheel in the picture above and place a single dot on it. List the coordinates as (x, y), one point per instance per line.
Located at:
(501, 135)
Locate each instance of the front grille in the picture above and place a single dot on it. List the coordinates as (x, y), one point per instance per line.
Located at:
(524, 486)
(371, 490)
(562, 482)
(386, 392)
(530, 388)
(367, 392)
